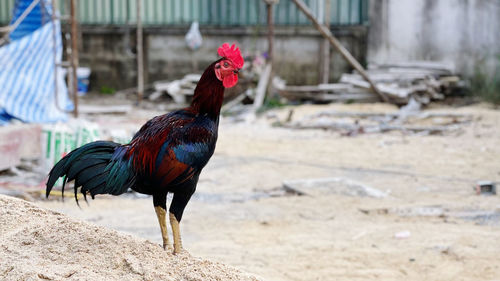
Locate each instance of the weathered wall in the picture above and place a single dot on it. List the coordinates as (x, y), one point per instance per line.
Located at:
(465, 32)
(109, 52)
(111, 59)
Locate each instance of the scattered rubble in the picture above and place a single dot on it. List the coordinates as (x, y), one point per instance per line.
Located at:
(322, 186)
(402, 234)
(485, 188)
(407, 121)
(425, 211)
(479, 216)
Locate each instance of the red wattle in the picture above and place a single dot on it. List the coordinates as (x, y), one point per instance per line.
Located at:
(230, 80)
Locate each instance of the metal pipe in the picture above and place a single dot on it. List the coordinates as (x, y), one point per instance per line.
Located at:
(74, 56)
(54, 46)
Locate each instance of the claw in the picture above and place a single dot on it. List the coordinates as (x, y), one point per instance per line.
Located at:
(167, 246)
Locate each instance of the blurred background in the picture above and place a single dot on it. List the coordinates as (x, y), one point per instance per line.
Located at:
(361, 142)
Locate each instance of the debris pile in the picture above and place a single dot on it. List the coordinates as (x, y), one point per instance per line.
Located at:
(423, 81)
(479, 216)
(243, 98)
(323, 93)
(409, 122)
(177, 89)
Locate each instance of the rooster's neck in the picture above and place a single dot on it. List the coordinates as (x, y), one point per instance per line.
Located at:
(209, 94)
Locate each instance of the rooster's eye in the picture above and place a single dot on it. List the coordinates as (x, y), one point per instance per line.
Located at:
(226, 64)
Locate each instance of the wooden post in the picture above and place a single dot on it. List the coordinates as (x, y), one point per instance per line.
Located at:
(270, 31)
(325, 54)
(140, 64)
(266, 76)
(343, 51)
(74, 55)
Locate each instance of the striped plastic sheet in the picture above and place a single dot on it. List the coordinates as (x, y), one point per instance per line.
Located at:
(35, 19)
(27, 90)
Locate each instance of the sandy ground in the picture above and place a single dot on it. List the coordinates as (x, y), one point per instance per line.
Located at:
(40, 244)
(241, 216)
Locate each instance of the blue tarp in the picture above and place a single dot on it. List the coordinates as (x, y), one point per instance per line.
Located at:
(27, 83)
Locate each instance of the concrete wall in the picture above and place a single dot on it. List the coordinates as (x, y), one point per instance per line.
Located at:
(465, 32)
(110, 52)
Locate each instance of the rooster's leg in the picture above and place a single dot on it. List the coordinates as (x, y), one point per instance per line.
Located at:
(177, 207)
(160, 203)
(177, 233)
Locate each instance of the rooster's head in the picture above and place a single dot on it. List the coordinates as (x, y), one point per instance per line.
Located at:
(227, 68)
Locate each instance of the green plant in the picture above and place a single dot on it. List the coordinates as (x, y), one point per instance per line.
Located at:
(487, 85)
(107, 90)
(270, 103)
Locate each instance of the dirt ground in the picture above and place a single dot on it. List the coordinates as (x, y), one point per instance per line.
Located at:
(241, 216)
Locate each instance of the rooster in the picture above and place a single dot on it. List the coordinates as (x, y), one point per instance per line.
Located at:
(165, 156)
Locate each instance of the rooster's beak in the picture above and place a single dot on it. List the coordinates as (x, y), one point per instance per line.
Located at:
(236, 71)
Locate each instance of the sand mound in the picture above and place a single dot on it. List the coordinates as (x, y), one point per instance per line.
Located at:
(39, 244)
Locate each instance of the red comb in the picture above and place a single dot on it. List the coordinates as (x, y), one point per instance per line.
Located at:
(232, 53)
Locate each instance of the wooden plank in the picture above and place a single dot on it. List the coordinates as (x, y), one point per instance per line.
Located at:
(389, 77)
(334, 87)
(318, 88)
(343, 97)
(336, 97)
(155, 95)
(262, 87)
(416, 71)
(419, 115)
(103, 109)
(386, 89)
(426, 65)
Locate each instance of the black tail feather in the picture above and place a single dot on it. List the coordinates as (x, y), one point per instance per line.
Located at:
(90, 167)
